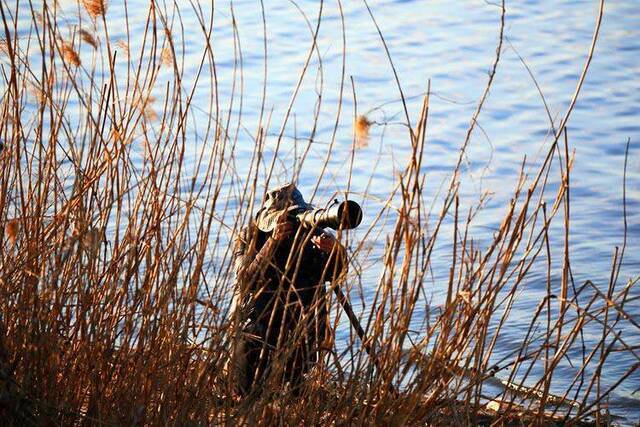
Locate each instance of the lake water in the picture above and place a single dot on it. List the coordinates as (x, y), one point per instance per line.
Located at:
(452, 45)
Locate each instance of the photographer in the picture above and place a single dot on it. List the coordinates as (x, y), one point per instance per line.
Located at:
(280, 311)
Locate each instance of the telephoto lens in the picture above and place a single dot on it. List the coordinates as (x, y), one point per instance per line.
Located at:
(339, 216)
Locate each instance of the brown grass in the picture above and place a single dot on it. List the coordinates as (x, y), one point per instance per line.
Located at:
(116, 278)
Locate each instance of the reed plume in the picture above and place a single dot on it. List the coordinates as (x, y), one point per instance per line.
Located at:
(11, 229)
(167, 56)
(95, 8)
(145, 105)
(124, 46)
(38, 93)
(116, 135)
(361, 130)
(90, 240)
(70, 55)
(4, 47)
(88, 38)
(149, 113)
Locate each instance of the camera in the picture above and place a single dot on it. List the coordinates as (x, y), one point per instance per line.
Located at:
(339, 216)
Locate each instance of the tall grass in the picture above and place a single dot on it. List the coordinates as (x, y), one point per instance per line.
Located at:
(116, 256)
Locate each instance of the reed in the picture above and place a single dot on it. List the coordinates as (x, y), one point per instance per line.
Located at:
(88, 38)
(116, 254)
(95, 8)
(361, 130)
(70, 55)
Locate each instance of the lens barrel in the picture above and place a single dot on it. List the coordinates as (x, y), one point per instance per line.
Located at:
(344, 215)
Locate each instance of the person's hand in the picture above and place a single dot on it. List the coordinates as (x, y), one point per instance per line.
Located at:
(325, 242)
(283, 229)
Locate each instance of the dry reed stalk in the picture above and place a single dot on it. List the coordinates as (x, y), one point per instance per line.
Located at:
(116, 135)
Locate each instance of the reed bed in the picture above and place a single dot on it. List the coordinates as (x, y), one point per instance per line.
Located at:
(116, 253)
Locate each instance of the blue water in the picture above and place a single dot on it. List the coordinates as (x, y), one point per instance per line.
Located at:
(452, 46)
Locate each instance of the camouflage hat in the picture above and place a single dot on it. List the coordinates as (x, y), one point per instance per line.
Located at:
(285, 198)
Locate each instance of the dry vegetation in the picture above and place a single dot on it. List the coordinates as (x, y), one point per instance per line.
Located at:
(115, 271)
